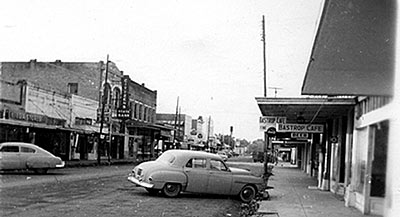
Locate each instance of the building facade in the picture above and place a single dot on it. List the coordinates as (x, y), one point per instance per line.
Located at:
(182, 124)
(73, 109)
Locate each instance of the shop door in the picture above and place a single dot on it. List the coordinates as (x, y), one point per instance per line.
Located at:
(362, 166)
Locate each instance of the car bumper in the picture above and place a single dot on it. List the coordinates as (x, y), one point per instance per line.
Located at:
(61, 165)
(140, 183)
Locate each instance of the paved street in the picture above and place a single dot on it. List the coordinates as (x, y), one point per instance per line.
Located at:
(101, 191)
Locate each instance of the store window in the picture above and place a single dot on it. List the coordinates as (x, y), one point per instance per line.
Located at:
(361, 158)
(378, 176)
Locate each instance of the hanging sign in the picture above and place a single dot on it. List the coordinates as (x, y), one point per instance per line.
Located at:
(270, 121)
(299, 135)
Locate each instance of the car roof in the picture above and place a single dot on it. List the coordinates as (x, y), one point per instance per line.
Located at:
(20, 144)
(182, 156)
(28, 145)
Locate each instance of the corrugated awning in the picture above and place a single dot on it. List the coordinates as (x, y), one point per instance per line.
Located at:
(353, 52)
(312, 110)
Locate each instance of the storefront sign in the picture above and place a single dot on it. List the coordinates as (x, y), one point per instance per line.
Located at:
(305, 128)
(125, 91)
(270, 121)
(299, 135)
(30, 117)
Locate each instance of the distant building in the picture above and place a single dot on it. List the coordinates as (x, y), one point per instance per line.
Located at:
(202, 133)
(183, 125)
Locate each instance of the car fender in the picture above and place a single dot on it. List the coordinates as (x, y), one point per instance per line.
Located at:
(159, 178)
(239, 181)
(39, 162)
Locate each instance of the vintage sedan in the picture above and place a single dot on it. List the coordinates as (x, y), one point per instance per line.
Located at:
(196, 172)
(20, 156)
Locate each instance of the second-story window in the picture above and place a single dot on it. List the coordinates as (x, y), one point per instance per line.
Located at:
(136, 111)
(140, 117)
(107, 94)
(145, 114)
(116, 98)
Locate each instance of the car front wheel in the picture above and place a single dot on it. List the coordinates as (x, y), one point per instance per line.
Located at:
(247, 194)
(172, 189)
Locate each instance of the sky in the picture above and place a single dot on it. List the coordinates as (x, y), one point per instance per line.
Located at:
(208, 53)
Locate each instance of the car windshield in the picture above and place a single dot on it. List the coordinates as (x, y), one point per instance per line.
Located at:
(166, 158)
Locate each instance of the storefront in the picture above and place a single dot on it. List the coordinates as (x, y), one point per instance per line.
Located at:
(315, 130)
(354, 55)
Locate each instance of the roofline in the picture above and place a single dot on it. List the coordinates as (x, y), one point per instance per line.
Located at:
(321, 20)
(306, 101)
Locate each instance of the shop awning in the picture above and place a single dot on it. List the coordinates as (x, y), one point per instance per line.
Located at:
(353, 52)
(311, 109)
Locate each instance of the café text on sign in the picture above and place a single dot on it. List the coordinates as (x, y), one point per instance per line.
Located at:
(305, 128)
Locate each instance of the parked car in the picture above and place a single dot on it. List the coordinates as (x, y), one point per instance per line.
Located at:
(19, 155)
(223, 155)
(196, 172)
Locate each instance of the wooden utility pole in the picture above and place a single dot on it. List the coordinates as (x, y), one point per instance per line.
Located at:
(264, 57)
(208, 132)
(176, 119)
(103, 105)
(266, 137)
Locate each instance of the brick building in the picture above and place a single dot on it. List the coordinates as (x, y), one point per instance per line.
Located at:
(57, 105)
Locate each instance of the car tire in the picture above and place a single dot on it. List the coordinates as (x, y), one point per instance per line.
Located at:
(41, 171)
(247, 194)
(152, 191)
(172, 189)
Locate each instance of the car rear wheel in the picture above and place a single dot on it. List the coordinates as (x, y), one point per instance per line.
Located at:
(172, 189)
(247, 194)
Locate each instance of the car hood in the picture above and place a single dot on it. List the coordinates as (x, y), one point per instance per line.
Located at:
(238, 171)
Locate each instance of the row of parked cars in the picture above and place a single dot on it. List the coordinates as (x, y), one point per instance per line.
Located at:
(173, 172)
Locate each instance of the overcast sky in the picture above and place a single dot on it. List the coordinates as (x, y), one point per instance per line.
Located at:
(207, 52)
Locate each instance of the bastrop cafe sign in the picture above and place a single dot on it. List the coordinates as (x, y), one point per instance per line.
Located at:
(301, 128)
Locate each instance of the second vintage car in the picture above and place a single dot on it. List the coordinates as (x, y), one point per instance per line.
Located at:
(196, 172)
(22, 156)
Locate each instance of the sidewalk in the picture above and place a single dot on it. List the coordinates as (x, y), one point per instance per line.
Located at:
(295, 195)
(89, 163)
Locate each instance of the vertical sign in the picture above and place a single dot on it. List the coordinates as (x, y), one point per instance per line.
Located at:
(123, 111)
(125, 90)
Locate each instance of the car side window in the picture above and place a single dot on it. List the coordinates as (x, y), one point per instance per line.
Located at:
(27, 150)
(199, 163)
(9, 148)
(218, 165)
(189, 164)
